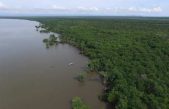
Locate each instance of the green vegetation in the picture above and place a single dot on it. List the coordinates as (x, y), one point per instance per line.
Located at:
(45, 40)
(77, 103)
(133, 52)
(52, 40)
(44, 31)
(81, 77)
(37, 27)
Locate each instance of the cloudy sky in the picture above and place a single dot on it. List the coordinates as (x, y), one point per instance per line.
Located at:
(85, 7)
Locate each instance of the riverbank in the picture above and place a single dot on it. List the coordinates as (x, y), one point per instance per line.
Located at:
(128, 51)
(82, 76)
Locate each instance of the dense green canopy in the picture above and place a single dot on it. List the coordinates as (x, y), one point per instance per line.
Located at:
(133, 52)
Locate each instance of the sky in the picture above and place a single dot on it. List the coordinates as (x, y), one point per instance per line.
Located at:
(85, 7)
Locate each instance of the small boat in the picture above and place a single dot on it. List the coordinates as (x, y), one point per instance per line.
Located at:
(70, 64)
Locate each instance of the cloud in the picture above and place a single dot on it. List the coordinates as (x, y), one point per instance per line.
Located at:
(107, 10)
(87, 9)
(57, 9)
(157, 9)
(79, 9)
(145, 10)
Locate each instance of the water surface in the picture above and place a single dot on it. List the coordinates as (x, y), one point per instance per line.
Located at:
(33, 77)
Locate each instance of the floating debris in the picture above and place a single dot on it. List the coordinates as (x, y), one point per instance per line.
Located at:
(70, 63)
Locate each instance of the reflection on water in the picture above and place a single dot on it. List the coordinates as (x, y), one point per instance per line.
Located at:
(33, 77)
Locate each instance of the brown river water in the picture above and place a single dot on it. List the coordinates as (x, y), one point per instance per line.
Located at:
(33, 77)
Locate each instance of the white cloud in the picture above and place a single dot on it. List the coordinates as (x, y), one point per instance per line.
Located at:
(145, 10)
(88, 9)
(134, 10)
(157, 9)
(105, 10)
(55, 7)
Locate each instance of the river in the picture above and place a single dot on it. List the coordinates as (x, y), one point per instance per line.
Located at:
(33, 77)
